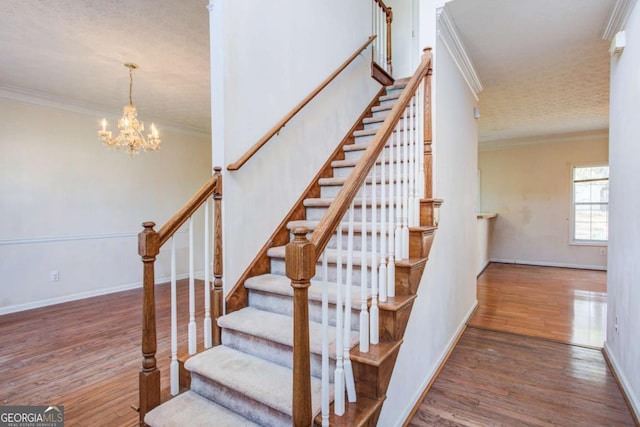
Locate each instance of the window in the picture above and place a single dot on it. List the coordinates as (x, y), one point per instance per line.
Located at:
(590, 204)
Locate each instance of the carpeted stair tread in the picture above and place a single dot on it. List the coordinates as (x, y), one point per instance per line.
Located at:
(191, 409)
(257, 379)
(278, 328)
(332, 256)
(357, 227)
(340, 180)
(390, 96)
(281, 285)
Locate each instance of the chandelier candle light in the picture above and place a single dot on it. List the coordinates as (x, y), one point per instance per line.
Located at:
(131, 136)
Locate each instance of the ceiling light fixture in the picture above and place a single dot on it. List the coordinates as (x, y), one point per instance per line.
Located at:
(131, 136)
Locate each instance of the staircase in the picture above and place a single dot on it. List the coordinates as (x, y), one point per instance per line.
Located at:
(247, 379)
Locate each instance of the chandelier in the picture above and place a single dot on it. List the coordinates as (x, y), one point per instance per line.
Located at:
(131, 137)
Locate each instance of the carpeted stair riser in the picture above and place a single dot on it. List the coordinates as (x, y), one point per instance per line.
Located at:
(283, 305)
(269, 336)
(254, 388)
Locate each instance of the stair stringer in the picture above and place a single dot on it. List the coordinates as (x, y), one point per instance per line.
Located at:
(238, 298)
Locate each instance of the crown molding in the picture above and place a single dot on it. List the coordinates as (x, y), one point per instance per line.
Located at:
(448, 33)
(507, 143)
(42, 99)
(618, 18)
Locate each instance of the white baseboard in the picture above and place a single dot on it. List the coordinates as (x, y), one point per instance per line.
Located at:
(550, 264)
(632, 398)
(82, 295)
(434, 370)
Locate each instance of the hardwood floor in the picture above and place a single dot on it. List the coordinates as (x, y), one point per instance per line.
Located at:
(502, 379)
(85, 355)
(560, 304)
(530, 356)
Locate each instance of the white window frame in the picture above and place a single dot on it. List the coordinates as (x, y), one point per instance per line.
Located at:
(572, 240)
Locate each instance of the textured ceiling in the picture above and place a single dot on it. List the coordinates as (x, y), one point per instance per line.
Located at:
(73, 52)
(542, 63)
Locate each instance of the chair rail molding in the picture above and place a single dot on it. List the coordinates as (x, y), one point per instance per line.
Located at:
(448, 33)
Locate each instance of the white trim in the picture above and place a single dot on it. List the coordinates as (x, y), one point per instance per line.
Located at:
(71, 238)
(500, 144)
(442, 359)
(572, 219)
(448, 33)
(618, 18)
(83, 295)
(550, 264)
(632, 398)
(41, 99)
(55, 239)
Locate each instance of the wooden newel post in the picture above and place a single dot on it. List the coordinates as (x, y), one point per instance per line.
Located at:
(300, 259)
(149, 377)
(428, 133)
(217, 294)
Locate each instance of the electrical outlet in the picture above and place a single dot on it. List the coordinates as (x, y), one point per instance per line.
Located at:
(603, 251)
(54, 276)
(616, 324)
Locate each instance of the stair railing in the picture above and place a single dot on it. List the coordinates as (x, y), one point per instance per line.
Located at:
(382, 17)
(282, 123)
(149, 244)
(401, 147)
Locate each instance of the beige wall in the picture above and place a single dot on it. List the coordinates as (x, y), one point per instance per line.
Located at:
(529, 187)
(69, 204)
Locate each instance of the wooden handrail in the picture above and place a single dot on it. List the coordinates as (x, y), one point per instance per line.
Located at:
(254, 149)
(301, 254)
(336, 211)
(383, 6)
(213, 185)
(149, 244)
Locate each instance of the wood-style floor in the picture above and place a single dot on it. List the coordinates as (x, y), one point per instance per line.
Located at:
(561, 304)
(85, 355)
(517, 364)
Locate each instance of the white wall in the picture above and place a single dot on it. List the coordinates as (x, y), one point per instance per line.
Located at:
(257, 77)
(623, 277)
(447, 293)
(70, 204)
(529, 186)
(484, 228)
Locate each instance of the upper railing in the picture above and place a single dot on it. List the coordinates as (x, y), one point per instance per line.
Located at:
(382, 17)
(276, 128)
(149, 244)
(409, 182)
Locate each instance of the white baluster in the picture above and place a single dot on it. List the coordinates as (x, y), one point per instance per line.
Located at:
(405, 188)
(338, 375)
(325, 341)
(364, 314)
(420, 144)
(381, 60)
(398, 193)
(173, 367)
(192, 294)
(373, 316)
(207, 280)
(391, 266)
(411, 210)
(382, 270)
(383, 34)
(348, 369)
